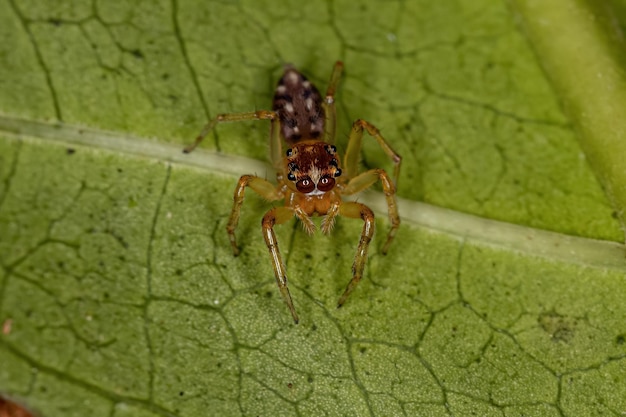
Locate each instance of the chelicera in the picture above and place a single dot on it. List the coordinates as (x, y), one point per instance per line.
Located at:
(311, 177)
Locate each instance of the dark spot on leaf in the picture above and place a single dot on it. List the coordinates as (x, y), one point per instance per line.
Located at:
(137, 53)
(309, 379)
(165, 76)
(55, 22)
(70, 151)
(290, 385)
(614, 214)
(559, 327)
(314, 327)
(620, 339)
(362, 350)
(179, 272)
(181, 393)
(269, 294)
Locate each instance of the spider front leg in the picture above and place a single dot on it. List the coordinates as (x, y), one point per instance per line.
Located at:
(357, 210)
(353, 153)
(278, 215)
(264, 188)
(366, 180)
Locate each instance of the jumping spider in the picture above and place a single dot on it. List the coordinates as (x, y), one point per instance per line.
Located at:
(310, 176)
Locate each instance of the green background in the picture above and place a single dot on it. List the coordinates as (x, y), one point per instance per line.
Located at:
(502, 294)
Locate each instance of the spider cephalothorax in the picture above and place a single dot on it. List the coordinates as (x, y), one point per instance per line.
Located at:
(309, 173)
(311, 167)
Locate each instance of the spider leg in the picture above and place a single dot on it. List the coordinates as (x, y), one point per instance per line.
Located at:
(264, 188)
(365, 180)
(329, 104)
(232, 117)
(353, 153)
(357, 210)
(278, 215)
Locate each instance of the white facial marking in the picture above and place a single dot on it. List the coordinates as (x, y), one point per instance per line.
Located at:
(306, 84)
(281, 89)
(288, 107)
(308, 103)
(315, 174)
(316, 192)
(296, 130)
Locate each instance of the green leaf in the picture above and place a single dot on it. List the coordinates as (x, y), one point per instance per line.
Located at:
(119, 294)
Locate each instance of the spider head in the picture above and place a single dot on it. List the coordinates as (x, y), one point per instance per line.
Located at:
(311, 167)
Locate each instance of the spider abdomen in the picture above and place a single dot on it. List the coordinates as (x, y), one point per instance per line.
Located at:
(299, 107)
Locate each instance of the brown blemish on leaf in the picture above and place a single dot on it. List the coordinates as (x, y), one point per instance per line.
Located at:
(560, 328)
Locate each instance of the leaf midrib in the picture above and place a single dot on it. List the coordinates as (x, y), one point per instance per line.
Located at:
(467, 227)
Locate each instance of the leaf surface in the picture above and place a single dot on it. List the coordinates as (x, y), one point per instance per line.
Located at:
(119, 295)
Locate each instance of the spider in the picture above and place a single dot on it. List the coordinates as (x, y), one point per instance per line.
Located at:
(310, 176)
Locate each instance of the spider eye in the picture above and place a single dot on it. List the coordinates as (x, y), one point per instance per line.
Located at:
(326, 183)
(289, 152)
(337, 172)
(305, 185)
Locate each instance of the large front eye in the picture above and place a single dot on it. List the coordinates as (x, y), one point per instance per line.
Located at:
(305, 185)
(326, 183)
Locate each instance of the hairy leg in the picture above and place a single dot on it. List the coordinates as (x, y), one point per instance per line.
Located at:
(357, 210)
(365, 180)
(264, 188)
(275, 216)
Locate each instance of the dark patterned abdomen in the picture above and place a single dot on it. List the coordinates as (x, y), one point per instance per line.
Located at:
(299, 107)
